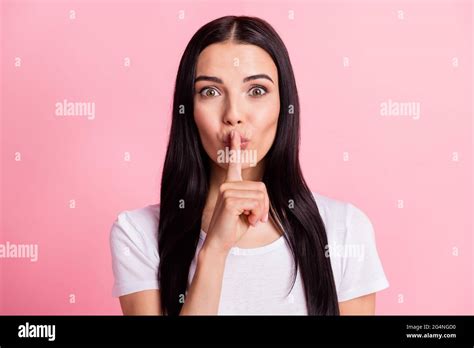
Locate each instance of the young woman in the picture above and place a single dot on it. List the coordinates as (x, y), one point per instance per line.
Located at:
(241, 237)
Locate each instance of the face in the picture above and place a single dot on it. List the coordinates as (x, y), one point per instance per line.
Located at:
(236, 89)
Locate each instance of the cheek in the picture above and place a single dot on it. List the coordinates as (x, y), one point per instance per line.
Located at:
(266, 121)
(208, 127)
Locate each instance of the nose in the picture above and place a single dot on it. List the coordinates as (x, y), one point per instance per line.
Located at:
(232, 114)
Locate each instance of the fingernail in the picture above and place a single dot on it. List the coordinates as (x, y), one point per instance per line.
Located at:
(232, 134)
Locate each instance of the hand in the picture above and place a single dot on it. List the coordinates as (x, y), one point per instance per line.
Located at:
(239, 205)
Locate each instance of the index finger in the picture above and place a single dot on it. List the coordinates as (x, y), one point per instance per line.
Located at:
(234, 170)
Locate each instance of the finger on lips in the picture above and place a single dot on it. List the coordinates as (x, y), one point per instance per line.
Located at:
(234, 174)
(234, 169)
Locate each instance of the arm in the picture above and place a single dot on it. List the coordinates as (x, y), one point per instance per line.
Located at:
(363, 305)
(145, 302)
(207, 280)
(205, 290)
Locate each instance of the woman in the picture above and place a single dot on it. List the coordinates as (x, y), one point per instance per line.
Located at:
(241, 237)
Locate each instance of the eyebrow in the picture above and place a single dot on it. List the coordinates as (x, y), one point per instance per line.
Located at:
(218, 80)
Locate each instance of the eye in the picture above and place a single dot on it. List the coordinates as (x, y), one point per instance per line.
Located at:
(258, 91)
(209, 92)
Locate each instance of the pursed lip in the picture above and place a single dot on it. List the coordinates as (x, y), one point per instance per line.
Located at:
(243, 144)
(243, 141)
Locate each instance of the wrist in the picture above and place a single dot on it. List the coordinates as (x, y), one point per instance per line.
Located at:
(209, 251)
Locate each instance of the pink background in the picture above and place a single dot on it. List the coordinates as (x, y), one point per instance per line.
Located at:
(402, 56)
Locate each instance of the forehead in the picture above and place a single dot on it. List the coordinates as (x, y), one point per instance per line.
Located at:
(234, 59)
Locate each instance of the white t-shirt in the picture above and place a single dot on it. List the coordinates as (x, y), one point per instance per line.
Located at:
(256, 280)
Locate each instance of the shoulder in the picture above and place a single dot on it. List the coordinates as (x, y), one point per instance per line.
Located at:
(143, 218)
(352, 249)
(134, 250)
(343, 219)
(137, 224)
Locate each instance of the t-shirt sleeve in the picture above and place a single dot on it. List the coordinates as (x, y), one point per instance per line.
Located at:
(134, 260)
(362, 271)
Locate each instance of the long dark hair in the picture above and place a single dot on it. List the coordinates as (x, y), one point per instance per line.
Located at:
(186, 173)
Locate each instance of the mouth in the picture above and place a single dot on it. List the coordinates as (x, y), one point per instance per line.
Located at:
(244, 142)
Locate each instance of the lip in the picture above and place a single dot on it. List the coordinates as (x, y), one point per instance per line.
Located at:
(243, 141)
(243, 144)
